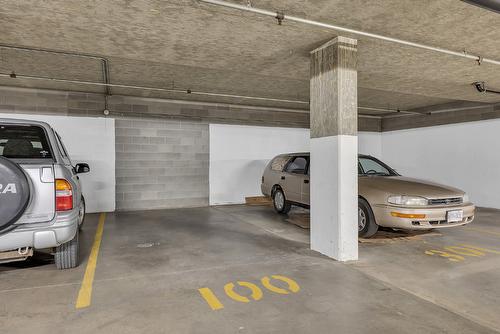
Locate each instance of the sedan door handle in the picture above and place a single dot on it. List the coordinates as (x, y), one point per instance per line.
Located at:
(306, 181)
(282, 177)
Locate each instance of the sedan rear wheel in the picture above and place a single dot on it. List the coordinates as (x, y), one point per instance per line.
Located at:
(367, 226)
(281, 205)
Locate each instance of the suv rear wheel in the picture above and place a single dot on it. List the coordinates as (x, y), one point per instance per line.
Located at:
(367, 226)
(67, 255)
(281, 205)
(81, 213)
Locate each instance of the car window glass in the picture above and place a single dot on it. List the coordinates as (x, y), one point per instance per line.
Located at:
(279, 163)
(297, 166)
(24, 142)
(61, 145)
(370, 166)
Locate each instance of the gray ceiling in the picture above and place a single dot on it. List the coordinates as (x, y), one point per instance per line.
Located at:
(186, 44)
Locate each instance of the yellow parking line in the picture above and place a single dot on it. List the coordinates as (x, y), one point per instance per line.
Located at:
(85, 295)
(484, 231)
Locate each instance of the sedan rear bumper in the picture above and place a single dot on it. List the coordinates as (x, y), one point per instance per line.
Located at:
(435, 217)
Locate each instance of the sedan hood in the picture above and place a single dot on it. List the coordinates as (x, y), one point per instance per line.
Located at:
(399, 185)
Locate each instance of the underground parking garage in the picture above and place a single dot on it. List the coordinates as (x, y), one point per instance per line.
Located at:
(203, 166)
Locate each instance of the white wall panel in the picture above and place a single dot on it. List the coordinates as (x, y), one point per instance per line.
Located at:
(90, 140)
(465, 155)
(239, 154)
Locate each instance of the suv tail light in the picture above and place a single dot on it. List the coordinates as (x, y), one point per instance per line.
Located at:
(64, 195)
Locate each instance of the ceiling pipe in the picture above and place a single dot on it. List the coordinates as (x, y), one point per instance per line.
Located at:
(438, 111)
(280, 16)
(104, 62)
(390, 112)
(168, 90)
(182, 91)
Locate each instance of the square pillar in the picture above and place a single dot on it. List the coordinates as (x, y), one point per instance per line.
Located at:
(334, 149)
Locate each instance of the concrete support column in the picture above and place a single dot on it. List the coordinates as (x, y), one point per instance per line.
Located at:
(334, 149)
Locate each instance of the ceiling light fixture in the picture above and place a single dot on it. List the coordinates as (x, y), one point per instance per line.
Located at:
(493, 5)
(481, 88)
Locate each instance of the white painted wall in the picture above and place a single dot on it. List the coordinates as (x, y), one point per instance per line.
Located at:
(239, 154)
(370, 143)
(90, 140)
(465, 155)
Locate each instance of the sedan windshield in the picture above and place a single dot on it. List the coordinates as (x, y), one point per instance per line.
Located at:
(372, 166)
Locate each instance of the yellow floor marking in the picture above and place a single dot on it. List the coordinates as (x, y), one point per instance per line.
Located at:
(211, 299)
(229, 289)
(256, 291)
(266, 282)
(483, 231)
(85, 295)
(486, 250)
(292, 285)
(464, 251)
(449, 256)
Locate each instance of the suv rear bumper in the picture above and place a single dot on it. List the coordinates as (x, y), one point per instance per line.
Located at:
(47, 235)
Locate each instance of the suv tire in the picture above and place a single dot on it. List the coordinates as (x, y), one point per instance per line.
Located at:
(367, 226)
(81, 213)
(281, 205)
(15, 195)
(67, 255)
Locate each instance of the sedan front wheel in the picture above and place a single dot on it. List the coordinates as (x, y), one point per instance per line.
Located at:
(281, 205)
(367, 226)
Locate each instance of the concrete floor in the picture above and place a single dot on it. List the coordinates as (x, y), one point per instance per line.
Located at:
(151, 265)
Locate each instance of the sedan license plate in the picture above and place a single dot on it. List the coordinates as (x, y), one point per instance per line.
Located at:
(455, 216)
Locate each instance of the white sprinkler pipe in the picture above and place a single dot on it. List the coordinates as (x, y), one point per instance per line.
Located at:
(282, 16)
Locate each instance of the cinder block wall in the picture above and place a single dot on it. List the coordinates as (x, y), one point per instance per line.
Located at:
(162, 149)
(161, 164)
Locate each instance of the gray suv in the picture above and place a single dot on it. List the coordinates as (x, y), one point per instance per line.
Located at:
(41, 201)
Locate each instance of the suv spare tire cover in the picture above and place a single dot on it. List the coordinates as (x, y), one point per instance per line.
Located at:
(14, 192)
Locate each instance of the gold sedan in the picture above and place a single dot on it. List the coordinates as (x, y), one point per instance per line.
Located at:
(385, 197)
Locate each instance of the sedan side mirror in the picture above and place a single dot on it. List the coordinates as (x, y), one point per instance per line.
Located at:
(82, 168)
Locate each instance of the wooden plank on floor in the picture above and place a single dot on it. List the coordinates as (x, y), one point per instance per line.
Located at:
(258, 200)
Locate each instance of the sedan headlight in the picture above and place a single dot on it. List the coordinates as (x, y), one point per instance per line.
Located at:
(465, 198)
(408, 200)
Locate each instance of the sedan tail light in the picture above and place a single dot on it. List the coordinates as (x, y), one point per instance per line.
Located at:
(64, 195)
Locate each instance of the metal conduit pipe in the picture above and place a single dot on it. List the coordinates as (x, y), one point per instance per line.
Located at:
(280, 16)
(168, 90)
(438, 111)
(390, 112)
(104, 61)
(187, 91)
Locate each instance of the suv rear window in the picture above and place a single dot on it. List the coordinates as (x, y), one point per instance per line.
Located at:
(24, 142)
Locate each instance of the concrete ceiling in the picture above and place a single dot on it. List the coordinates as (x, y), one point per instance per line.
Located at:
(189, 45)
